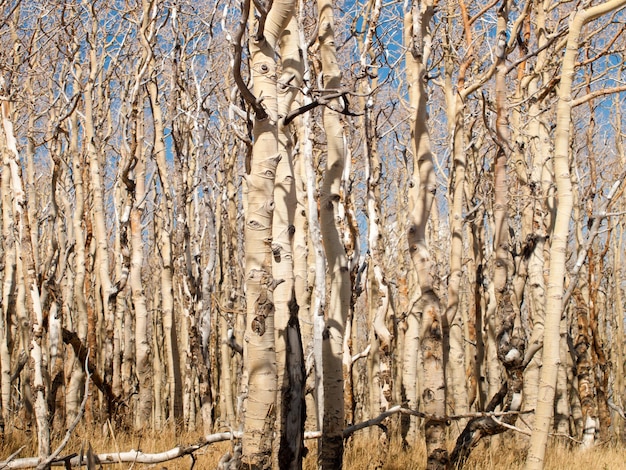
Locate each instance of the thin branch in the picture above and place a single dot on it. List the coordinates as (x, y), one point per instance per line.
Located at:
(533, 53)
(247, 95)
(593, 231)
(605, 91)
(11, 457)
(126, 457)
(363, 353)
(322, 100)
(408, 411)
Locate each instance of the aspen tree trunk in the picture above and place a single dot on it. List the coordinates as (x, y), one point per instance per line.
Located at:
(584, 372)
(228, 247)
(185, 110)
(52, 267)
(289, 361)
(501, 239)
(540, 183)
(454, 352)
(411, 357)
(209, 318)
(158, 360)
(346, 219)
(8, 288)
(134, 177)
(104, 308)
(24, 246)
(318, 280)
(143, 360)
(421, 196)
(379, 357)
(301, 252)
(598, 355)
(183, 280)
(259, 355)
(166, 214)
(123, 355)
(510, 345)
(619, 395)
(554, 307)
(331, 447)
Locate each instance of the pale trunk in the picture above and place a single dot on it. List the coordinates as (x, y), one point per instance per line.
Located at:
(379, 358)
(33, 305)
(301, 255)
(301, 252)
(142, 346)
(227, 212)
(318, 298)
(290, 399)
(260, 367)
(554, 307)
(454, 354)
(331, 447)
(618, 345)
(158, 366)
(8, 289)
(164, 234)
(421, 196)
(103, 310)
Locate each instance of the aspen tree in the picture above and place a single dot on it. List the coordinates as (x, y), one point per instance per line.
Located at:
(95, 160)
(421, 195)
(379, 358)
(259, 354)
(165, 225)
(8, 286)
(554, 295)
(456, 118)
(305, 254)
(540, 184)
(289, 353)
(618, 272)
(331, 446)
(24, 250)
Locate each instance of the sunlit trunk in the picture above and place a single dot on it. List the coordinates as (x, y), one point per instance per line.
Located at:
(421, 195)
(554, 307)
(331, 446)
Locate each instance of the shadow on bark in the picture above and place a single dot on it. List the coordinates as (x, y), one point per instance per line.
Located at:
(292, 449)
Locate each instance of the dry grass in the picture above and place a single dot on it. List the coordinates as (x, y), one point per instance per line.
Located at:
(506, 452)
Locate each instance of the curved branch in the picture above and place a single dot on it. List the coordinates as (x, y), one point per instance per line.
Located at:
(247, 95)
(322, 100)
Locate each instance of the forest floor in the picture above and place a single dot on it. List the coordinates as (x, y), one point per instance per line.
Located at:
(362, 453)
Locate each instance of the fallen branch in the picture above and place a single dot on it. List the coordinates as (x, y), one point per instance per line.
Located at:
(408, 411)
(13, 455)
(137, 456)
(132, 456)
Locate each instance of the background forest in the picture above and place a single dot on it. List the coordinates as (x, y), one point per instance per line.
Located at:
(278, 220)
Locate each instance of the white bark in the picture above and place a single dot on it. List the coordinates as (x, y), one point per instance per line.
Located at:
(554, 307)
(260, 365)
(33, 300)
(331, 447)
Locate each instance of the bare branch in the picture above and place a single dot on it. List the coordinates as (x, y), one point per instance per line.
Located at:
(595, 94)
(247, 95)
